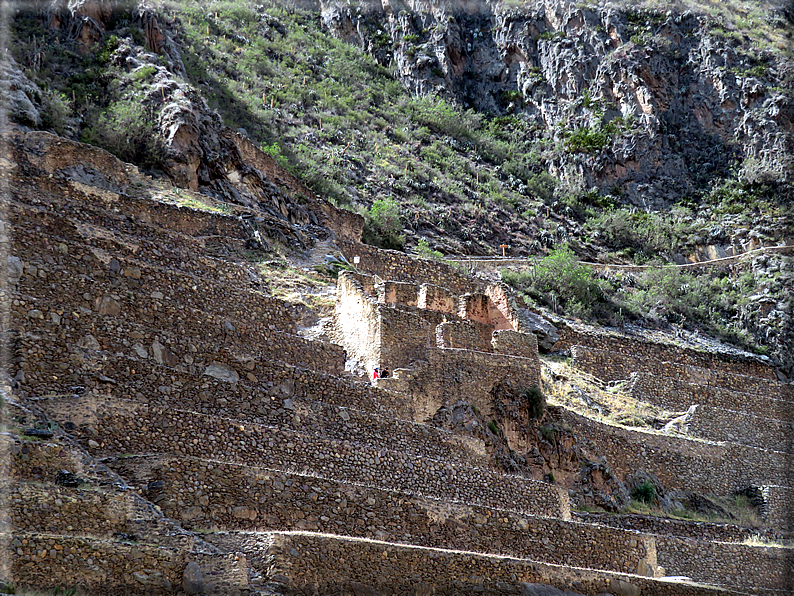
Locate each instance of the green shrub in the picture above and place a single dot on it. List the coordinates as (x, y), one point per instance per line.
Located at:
(645, 492)
(127, 131)
(424, 251)
(536, 401)
(560, 282)
(383, 224)
(588, 140)
(144, 72)
(493, 427)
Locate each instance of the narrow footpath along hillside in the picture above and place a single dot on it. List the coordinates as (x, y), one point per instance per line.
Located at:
(168, 430)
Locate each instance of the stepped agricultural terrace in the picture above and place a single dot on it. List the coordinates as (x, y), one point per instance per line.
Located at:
(169, 431)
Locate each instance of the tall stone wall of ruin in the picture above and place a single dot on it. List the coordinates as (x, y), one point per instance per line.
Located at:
(357, 319)
(466, 335)
(406, 334)
(450, 375)
(433, 297)
(398, 266)
(513, 343)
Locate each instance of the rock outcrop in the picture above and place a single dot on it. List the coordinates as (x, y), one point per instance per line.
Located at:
(659, 104)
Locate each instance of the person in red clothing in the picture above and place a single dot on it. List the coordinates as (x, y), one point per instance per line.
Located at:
(375, 374)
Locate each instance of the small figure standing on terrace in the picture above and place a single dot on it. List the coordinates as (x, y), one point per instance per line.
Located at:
(375, 374)
(384, 373)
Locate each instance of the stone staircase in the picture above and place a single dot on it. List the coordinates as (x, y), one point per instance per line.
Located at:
(218, 452)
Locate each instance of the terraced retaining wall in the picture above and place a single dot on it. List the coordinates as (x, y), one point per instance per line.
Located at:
(307, 563)
(209, 494)
(675, 394)
(100, 567)
(55, 510)
(729, 564)
(648, 524)
(140, 290)
(282, 408)
(718, 424)
(613, 366)
(210, 378)
(39, 233)
(127, 428)
(682, 463)
(662, 352)
(779, 506)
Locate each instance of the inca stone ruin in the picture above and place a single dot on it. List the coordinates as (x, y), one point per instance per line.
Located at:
(168, 430)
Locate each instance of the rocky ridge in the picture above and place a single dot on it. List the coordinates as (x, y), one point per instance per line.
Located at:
(685, 101)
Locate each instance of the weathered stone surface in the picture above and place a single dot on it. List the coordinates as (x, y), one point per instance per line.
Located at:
(193, 579)
(222, 373)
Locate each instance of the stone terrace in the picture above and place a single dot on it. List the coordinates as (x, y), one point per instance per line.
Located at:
(220, 453)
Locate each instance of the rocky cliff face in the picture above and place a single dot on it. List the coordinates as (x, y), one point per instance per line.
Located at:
(659, 104)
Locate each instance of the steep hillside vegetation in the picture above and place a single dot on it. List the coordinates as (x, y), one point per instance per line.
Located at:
(633, 135)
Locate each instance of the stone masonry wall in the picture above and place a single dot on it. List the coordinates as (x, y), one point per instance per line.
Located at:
(133, 335)
(513, 343)
(307, 563)
(480, 308)
(719, 424)
(675, 394)
(40, 243)
(406, 334)
(208, 494)
(55, 510)
(433, 297)
(282, 408)
(357, 319)
(210, 376)
(398, 266)
(466, 335)
(128, 428)
(450, 375)
(140, 287)
(126, 346)
(779, 506)
(657, 351)
(730, 564)
(682, 463)
(111, 568)
(398, 292)
(651, 524)
(132, 215)
(613, 366)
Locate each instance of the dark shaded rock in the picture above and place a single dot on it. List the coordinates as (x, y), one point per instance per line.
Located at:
(193, 579)
(68, 479)
(40, 433)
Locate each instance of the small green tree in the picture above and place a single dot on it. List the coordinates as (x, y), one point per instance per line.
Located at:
(560, 282)
(424, 251)
(383, 224)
